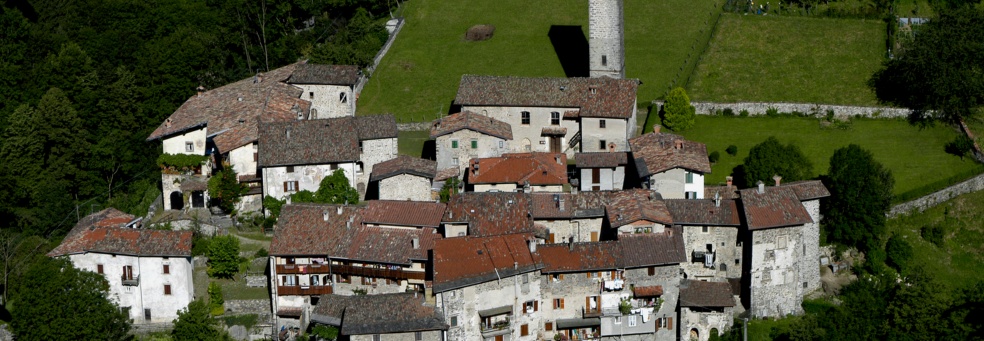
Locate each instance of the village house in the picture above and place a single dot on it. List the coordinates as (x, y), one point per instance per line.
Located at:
(706, 308)
(329, 88)
(489, 287)
(520, 172)
(403, 178)
(149, 271)
(567, 217)
(601, 171)
(670, 165)
(397, 317)
(488, 214)
(464, 136)
(556, 115)
(710, 230)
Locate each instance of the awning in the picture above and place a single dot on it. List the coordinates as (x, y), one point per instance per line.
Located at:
(495, 311)
(553, 131)
(652, 291)
(290, 312)
(578, 323)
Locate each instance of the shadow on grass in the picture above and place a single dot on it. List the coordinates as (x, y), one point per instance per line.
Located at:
(572, 49)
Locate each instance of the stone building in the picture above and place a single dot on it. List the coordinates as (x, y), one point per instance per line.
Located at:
(520, 172)
(377, 143)
(489, 287)
(488, 214)
(396, 317)
(670, 165)
(601, 171)
(706, 308)
(710, 230)
(567, 217)
(403, 178)
(329, 88)
(606, 45)
(463, 136)
(149, 271)
(556, 115)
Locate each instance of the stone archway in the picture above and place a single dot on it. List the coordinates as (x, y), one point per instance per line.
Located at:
(694, 335)
(177, 200)
(527, 145)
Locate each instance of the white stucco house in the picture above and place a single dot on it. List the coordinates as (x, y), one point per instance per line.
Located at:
(671, 165)
(464, 136)
(149, 271)
(601, 171)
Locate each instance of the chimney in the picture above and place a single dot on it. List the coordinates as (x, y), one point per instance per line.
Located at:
(761, 186)
(729, 179)
(678, 144)
(259, 77)
(515, 265)
(201, 90)
(416, 243)
(717, 199)
(287, 131)
(532, 243)
(560, 204)
(777, 178)
(338, 210)
(167, 123)
(348, 224)
(558, 160)
(324, 215)
(450, 214)
(570, 244)
(656, 129)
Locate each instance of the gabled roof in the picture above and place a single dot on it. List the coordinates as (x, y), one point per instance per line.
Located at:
(703, 212)
(233, 111)
(106, 232)
(374, 127)
(465, 261)
(378, 314)
(724, 192)
(601, 159)
(490, 214)
(701, 294)
(595, 97)
(568, 206)
(660, 152)
(775, 207)
(808, 189)
(324, 74)
(308, 142)
(404, 213)
(404, 165)
(629, 206)
(537, 169)
(471, 121)
(629, 251)
(650, 249)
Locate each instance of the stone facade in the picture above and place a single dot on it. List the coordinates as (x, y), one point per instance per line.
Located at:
(701, 322)
(760, 108)
(461, 308)
(610, 136)
(156, 296)
(606, 45)
(371, 153)
(175, 198)
(529, 137)
(673, 184)
(430, 335)
(449, 156)
(307, 177)
(329, 101)
(724, 246)
(405, 187)
(779, 272)
(580, 230)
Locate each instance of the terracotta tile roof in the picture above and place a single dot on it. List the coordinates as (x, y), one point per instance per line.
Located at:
(776, 207)
(553, 131)
(471, 121)
(404, 165)
(404, 213)
(465, 261)
(191, 184)
(601, 160)
(378, 314)
(446, 173)
(308, 142)
(233, 111)
(649, 249)
(325, 74)
(659, 152)
(581, 205)
(579, 257)
(385, 245)
(648, 291)
(702, 294)
(703, 212)
(808, 189)
(628, 206)
(374, 127)
(490, 214)
(725, 192)
(595, 97)
(105, 232)
(520, 168)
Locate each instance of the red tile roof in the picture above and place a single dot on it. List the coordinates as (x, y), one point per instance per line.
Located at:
(702, 294)
(659, 152)
(808, 189)
(105, 232)
(471, 121)
(648, 291)
(378, 314)
(724, 192)
(465, 261)
(629, 206)
(404, 165)
(703, 212)
(404, 213)
(490, 214)
(629, 251)
(775, 207)
(601, 160)
(325, 74)
(595, 97)
(535, 168)
(649, 249)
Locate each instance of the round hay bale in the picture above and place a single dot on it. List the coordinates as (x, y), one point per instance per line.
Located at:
(479, 32)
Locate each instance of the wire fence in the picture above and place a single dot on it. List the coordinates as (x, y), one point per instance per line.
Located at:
(697, 50)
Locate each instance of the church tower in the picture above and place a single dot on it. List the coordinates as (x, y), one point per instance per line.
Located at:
(606, 46)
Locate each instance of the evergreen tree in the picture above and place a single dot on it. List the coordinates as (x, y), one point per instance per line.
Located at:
(678, 114)
(771, 158)
(860, 194)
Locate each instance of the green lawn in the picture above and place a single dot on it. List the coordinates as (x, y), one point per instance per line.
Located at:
(412, 142)
(418, 78)
(915, 155)
(790, 59)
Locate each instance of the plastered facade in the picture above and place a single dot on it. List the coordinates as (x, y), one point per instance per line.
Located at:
(405, 187)
(308, 177)
(608, 179)
(177, 144)
(431, 335)
(614, 134)
(149, 292)
(243, 159)
(581, 230)
(328, 101)
(461, 306)
(448, 156)
(532, 134)
(672, 184)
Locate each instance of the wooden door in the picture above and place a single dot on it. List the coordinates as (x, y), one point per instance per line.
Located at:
(555, 145)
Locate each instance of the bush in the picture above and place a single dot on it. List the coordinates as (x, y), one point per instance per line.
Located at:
(181, 161)
(225, 190)
(261, 253)
(216, 303)
(898, 253)
(223, 257)
(199, 245)
(324, 332)
(728, 112)
(772, 112)
(743, 113)
(714, 156)
(678, 114)
(933, 234)
(247, 320)
(450, 188)
(732, 150)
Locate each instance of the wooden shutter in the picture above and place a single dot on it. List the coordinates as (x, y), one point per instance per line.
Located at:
(669, 323)
(587, 303)
(524, 330)
(550, 239)
(659, 322)
(524, 308)
(594, 236)
(498, 338)
(167, 289)
(536, 305)
(652, 271)
(587, 274)
(285, 186)
(561, 277)
(561, 303)
(548, 326)
(99, 268)
(167, 268)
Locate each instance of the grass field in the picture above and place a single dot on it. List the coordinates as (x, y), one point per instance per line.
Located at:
(790, 59)
(418, 78)
(915, 155)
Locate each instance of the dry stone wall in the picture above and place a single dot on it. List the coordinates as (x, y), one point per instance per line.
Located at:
(760, 108)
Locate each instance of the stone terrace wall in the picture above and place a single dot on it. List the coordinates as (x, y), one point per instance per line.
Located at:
(760, 108)
(974, 184)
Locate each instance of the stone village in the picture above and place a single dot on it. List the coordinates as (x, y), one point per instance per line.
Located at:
(569, 225)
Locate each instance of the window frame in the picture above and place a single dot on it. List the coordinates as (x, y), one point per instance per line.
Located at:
(167, 290)
(166, 269)
(474, 143)
(689, 178)
(602, 145)
(454, 144)
(99, 269)
(555, 118)
(602, 124)
(189, 146)
(524, 118)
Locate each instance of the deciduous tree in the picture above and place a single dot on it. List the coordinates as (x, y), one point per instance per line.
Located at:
(223, 256)
(771, 158)
(678, 114)
(860, 194)
(194, 323)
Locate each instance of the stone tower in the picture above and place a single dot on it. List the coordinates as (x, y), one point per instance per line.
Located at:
(606, 46)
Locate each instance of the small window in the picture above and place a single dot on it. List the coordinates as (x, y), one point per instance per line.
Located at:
(290, 186)
(418, 336)
(314, 113)
(555, 118)
(343, 97)
(524, 330)
(167, 289)
(690, 195)
(375, 337)
(558, 303)
(602, 144)
(454, 144)
(604, 60)
(804, 285)
(311, 95)
(548, 326)
(618, 320)
(502, 144)
(525, 117)
(601, 124)
(99, 268)
(147, 314)
(454, 161)
(703, 229)
(652, 271)
(454, 321)
(474, 144)
(632, 320)
(690, 177)
(167, 269)
(290, 169)
(333, 167)
(189, 146)
(256, 157)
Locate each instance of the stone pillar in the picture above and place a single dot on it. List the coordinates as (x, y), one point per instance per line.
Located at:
(606, 45)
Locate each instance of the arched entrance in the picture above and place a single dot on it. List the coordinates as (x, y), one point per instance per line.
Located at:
(694, 335)
(177, 200)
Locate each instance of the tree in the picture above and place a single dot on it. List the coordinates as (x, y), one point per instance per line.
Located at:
(223, 256)
(225, 190)
(195, 324)
(860, 194)
(66, 303)
(449, 189)
(940, 70)
(771, 158)
(216, 302)
(678, 114)
(334, 189)
(898, 253)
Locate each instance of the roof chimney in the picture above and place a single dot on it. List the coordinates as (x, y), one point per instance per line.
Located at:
(729, 179)
(259, 77)
(560, 204)
(167, 123)
(532, 243)
(777, 178)
(717, 199)
(558, 160)
(570, 244)
(200, 89)
(416, 243)
(678, 144)
(324, 215)
(656, 129)
(338, 210)
(287, 131)
(515, 265)
(761, 186)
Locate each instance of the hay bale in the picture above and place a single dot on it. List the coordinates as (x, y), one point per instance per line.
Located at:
(479, 32)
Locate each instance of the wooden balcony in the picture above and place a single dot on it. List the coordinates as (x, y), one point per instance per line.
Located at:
(303, 290)
(302, 269)
(376, 272)
(131, 281)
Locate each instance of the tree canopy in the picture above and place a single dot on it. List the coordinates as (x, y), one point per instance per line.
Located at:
(678, 114)
(939, 70)
(194, 323)
(223, 256)
(66, 303)
(771, 158)
(860, 194)
(333, 189)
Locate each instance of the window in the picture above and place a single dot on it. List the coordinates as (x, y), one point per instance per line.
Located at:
(594, 236)
(290, 169)
(189, 146)
(524, 330)
(343, 97)
(555, 118)
(343, 278)
(690, 195)
(375, 337)
(99, 268)
(311, 95)
(558, 303)
(531, 307)
(290, 186)
(167, 289)
(602, 144)
(703, 229)
(454, 144)
(474, 144)
(314, 113)
(690, 177)
(167, 269)
(525, 117)
(804, 285)
(147, 314)
(418, 336)
(632, 320)
(333, 166)
(454, 161)
(601, 124)
(128, 272)
(604, 60)
(548, 326)
(454, 321)
(256, 157)
(618, 320)
(502, 144)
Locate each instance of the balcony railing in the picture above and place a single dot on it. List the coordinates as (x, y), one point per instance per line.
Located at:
(302, 269)
(585, 312)
(131, 280)
(498, 328)
(376, 272)
(283, 290)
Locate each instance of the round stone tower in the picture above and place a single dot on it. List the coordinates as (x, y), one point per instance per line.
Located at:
(606, 46)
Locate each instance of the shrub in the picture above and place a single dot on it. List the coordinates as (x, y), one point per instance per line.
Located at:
(199, 245)
(714, 156)
(450, 188)
(216, 303)
(180, 161)
(225, 190)
(223, 257)
(324, 332)
(247, 320)
(261, 253)
(933, 234)
(732, 150)
(728, 112)
(898, 253)
(678, 114)
(743, 113)
(772, 112)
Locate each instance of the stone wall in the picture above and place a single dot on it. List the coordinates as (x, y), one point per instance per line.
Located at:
(776, 286)
(405, 187)
(606, 46)
(760, 108)
(239, 307)
(921, 204)
(724, 243)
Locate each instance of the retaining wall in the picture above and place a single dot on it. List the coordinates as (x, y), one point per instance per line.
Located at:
(760, 108)
(921, 204)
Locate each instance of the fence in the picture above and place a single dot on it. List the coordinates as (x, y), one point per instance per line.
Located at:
(694, 57)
